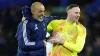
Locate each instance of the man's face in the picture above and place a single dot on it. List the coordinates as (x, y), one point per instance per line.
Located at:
(39, 13)
(74, 13)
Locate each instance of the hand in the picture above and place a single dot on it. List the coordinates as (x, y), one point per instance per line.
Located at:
(56, 40)
(44, 43)
(23, 18)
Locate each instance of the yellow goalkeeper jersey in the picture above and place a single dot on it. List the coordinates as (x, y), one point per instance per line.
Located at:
(73, 34)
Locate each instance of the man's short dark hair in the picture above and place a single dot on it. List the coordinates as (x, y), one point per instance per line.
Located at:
(71, 6)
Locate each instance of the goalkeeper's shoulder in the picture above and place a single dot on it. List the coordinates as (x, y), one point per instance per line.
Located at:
(81, 25)
(56, 21)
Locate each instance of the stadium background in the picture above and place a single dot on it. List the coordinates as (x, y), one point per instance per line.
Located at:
(10, 16)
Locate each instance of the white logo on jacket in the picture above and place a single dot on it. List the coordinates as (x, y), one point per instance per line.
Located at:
(36, 27)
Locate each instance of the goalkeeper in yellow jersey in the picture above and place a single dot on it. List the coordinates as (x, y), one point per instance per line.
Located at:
(69, 35)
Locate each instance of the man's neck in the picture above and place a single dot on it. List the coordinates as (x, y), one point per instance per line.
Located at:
(69, 20)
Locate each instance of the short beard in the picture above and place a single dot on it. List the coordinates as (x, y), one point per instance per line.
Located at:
(40, 19)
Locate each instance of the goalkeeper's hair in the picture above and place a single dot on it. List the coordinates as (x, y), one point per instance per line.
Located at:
(71, 6)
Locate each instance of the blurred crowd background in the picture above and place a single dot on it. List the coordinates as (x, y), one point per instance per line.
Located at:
(11, 15)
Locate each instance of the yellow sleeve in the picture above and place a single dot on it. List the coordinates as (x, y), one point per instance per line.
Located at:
(52, 25)
(49, 27)
(80, 41)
